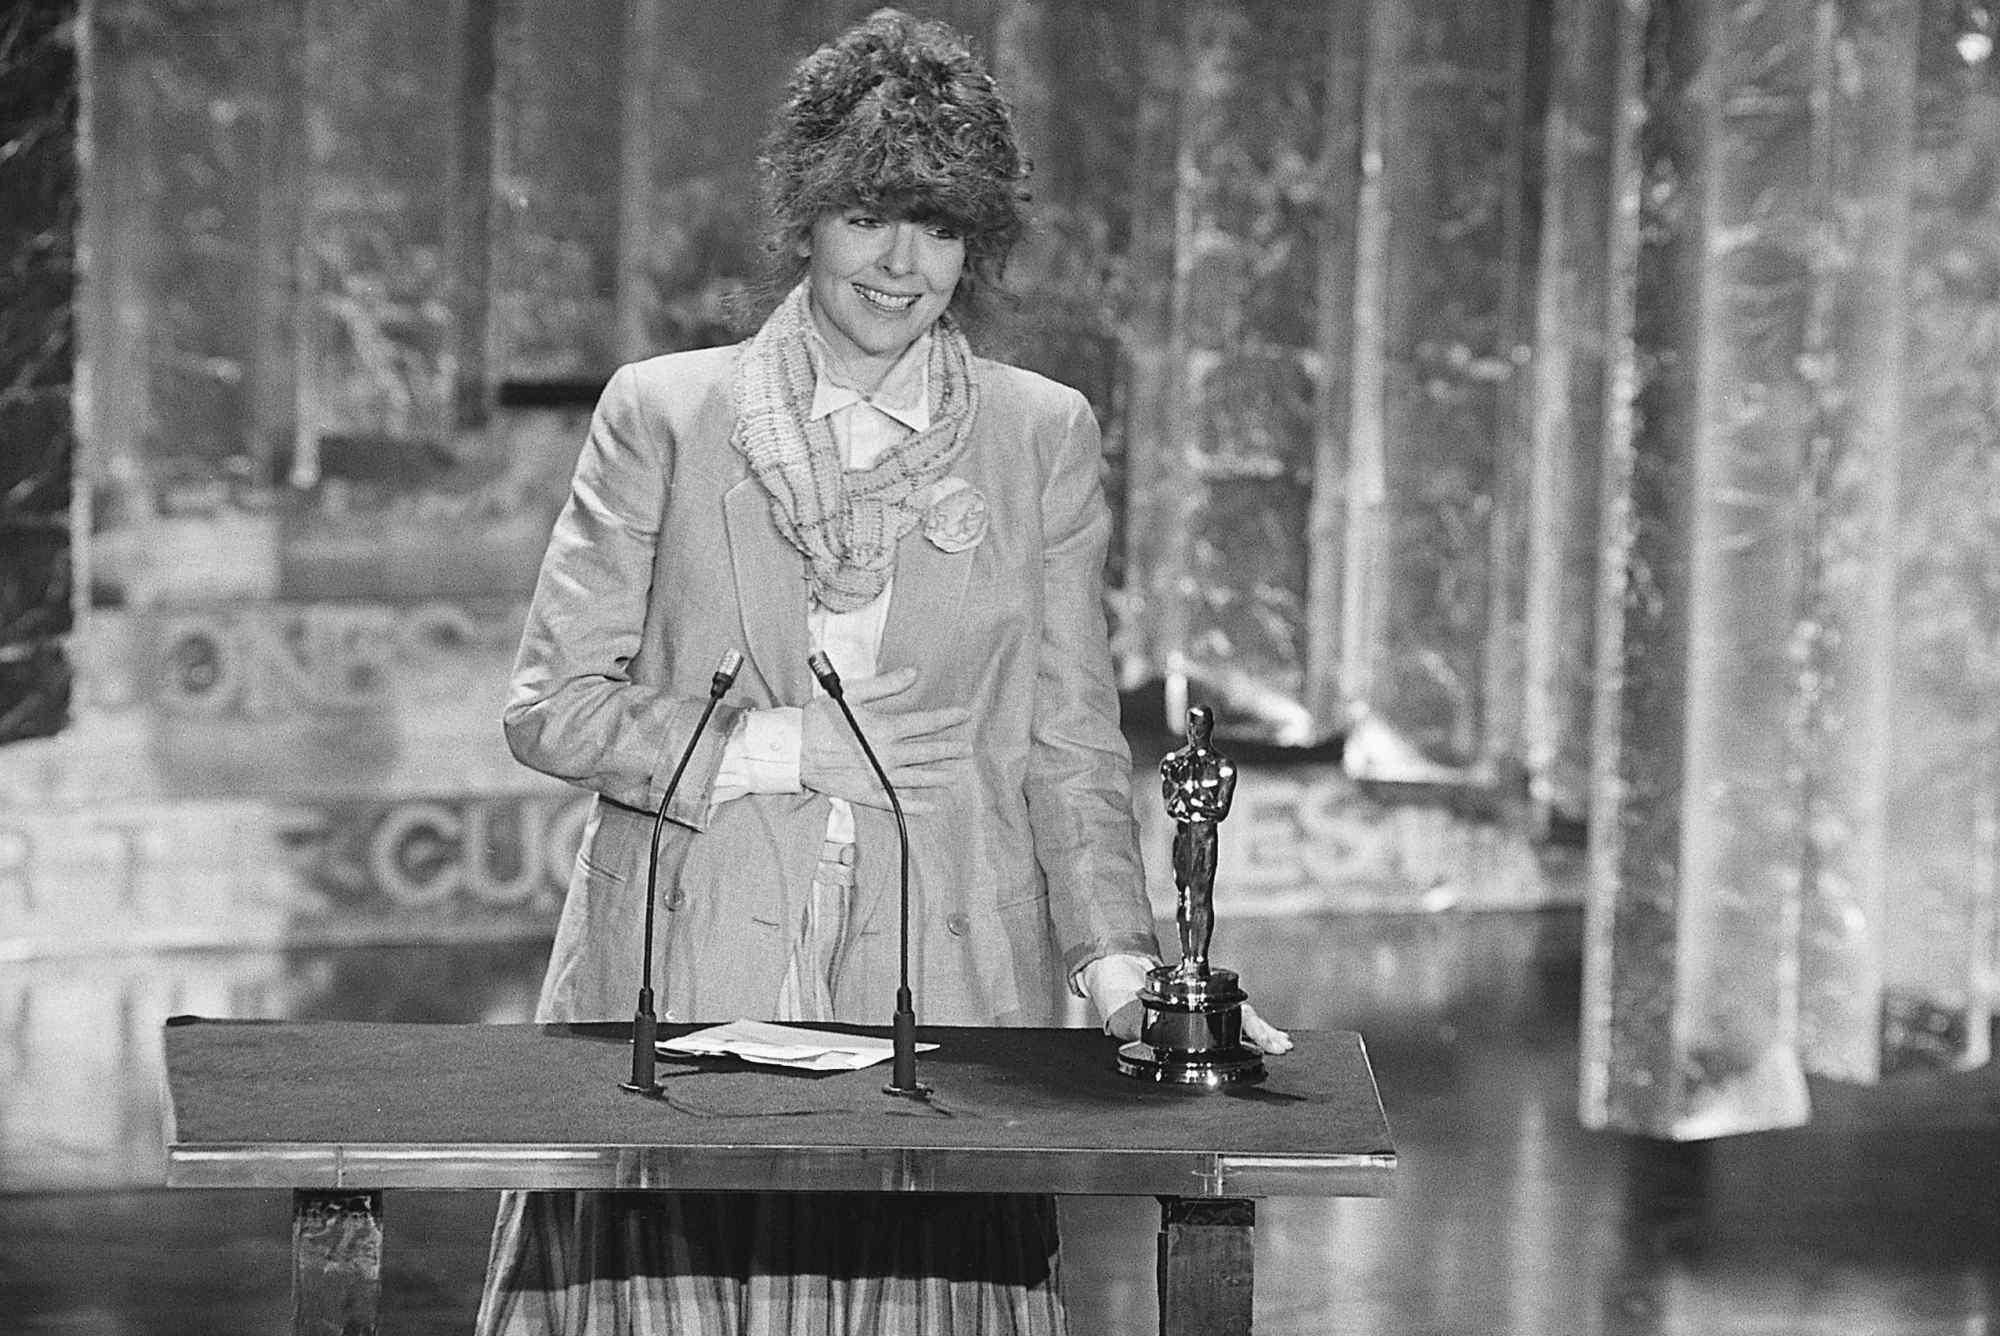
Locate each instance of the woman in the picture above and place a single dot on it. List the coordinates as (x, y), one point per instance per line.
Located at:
(852, 479)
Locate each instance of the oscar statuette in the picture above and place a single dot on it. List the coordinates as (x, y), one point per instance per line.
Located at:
(1192, 1034)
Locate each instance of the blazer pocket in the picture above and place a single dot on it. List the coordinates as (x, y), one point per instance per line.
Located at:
(598, 870)
(1037, 896)
(606, 855)
(1022, 920)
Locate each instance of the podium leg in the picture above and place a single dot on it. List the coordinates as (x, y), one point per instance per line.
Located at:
(1205, 1265)
(336, 1262)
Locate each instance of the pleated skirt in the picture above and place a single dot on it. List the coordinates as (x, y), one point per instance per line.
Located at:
(772, 1264)
(776, 1263)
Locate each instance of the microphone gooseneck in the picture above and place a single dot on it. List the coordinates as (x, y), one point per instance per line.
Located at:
(903, 1064)
(645, 1025)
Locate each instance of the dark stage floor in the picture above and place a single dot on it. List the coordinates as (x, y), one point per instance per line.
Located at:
(1883, 1217)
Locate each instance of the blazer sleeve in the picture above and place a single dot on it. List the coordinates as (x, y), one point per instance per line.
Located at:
(573, 710)
(1079, 777)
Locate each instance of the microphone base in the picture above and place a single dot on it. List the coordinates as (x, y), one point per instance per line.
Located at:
(903, 1080)
(653, 1091)
(645, 1030)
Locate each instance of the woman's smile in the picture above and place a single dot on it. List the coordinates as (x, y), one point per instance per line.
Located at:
(891, 302)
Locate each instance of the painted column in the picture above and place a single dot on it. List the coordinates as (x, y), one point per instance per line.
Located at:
(1574, 322)
(1735, 907)
(1943, 752)
(375, 323)
(1442, 332)
(38, 232)
(1257, 191)
(553, 314)
(468, 232)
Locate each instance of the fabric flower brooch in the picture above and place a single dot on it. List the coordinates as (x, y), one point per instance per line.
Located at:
(955, 517)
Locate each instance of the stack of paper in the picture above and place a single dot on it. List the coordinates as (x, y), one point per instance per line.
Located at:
(786, 1046)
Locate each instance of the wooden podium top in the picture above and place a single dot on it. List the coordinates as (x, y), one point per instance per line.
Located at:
(362, 1105)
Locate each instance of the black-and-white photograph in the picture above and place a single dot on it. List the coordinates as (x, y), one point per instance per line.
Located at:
(999, 667)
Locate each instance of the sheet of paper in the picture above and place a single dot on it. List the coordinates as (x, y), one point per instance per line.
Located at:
(786, 1046)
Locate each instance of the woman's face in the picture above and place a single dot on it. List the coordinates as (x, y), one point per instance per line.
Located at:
(879, 283)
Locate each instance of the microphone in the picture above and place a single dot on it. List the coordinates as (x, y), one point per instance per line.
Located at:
(903, 1066)
(645, 1026)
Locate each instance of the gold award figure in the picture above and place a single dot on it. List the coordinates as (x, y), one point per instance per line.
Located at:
(1198, 783)
(1192, 1034)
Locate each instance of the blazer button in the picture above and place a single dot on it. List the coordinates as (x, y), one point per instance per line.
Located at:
(958, 924)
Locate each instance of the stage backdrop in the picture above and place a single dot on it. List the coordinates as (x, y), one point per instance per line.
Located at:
(354, 274)
(1576, 413)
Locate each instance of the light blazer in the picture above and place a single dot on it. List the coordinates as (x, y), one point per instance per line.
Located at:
(665, 556)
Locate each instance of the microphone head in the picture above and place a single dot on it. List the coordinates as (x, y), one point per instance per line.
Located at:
(823, 669)
(725, 671)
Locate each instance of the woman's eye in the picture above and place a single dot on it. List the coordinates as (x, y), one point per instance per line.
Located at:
(863, 220)
(943, 233)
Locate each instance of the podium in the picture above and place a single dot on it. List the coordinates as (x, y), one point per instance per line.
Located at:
(342, 1112)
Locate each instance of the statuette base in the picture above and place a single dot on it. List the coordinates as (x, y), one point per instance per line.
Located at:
(1192, 1034)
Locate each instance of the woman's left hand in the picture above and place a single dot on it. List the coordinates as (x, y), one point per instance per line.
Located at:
(1261, 1035)
(1124, 1023)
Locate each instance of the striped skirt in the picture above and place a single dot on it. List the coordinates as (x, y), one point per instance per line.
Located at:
(776, 1263)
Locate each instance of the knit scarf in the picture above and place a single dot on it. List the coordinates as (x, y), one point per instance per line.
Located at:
(845, 524)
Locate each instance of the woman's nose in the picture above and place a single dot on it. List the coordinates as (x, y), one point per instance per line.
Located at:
(900, 255)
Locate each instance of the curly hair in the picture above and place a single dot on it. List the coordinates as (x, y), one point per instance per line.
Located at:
(897, 115)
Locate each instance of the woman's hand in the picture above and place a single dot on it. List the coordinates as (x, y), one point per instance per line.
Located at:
(1261, 1035)
(920, 749)
(1126, 1022)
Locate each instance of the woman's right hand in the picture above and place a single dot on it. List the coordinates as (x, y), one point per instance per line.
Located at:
(920, 749)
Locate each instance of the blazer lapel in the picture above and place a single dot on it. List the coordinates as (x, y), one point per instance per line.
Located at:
(924, 604)
(928, 597)
(770, 591)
